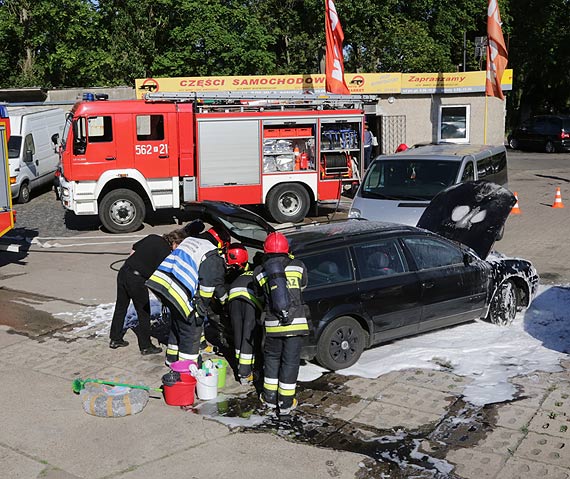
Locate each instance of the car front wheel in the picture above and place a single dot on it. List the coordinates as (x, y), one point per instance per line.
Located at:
(549, 147)
(341, 344)
(504, 304)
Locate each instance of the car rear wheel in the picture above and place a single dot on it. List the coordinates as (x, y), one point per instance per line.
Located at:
(504, 305)
(549, 147)
(341, 344)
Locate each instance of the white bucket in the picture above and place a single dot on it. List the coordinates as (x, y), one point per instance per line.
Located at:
(207, 386)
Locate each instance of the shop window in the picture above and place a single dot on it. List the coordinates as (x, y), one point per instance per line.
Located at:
(453, 124)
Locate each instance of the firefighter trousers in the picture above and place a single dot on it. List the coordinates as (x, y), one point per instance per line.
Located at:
(244, 325)
(184, 337)
(131, 287)
(282, 358)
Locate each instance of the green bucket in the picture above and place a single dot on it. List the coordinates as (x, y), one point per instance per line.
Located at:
(222, 367)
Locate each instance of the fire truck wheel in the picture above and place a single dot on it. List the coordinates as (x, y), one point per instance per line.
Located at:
(288, 203)
(122, 211)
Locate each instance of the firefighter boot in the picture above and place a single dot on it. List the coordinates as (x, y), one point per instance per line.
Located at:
(285, 411)
(268, 399)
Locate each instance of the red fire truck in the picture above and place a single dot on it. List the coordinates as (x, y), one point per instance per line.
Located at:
(7, 215)
(121, 159)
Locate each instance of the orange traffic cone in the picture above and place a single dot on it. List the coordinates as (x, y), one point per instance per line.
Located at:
(516, 210)
(558, 199)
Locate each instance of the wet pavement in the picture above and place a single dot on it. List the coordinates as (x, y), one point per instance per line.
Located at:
(411, 423)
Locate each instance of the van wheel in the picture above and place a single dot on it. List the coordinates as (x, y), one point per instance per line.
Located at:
(549, 147)
(341, 344)
(24, 195)
(288, 203)
(122, 211)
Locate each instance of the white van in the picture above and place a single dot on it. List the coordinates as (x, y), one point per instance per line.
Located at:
(397, 188)
(33, 148)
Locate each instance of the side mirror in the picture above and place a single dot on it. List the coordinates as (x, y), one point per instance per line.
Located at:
(55, 138)
(28, 156)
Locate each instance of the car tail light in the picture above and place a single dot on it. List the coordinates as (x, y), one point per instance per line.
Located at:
(564, 135)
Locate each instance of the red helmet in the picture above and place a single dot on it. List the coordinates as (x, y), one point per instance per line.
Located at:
(237, 255)
(401, 147)
(276, 243)
(222, 238)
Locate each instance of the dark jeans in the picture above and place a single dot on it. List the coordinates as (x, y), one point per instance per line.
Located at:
(281, 368)
(131, 287)
(367, 156)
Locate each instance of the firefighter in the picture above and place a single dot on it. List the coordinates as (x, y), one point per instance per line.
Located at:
(244, 308)
(187, 281)
(281, 278)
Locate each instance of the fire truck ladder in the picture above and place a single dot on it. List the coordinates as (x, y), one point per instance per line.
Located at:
(255, 100)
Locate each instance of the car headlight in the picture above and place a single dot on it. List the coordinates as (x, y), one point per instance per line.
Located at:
(65, 192)
(354, 213)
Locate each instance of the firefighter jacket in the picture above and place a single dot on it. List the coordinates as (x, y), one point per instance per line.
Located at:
(296, 275)
(190, 276)
(243, 288)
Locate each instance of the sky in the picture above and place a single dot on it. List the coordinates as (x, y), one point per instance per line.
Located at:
(489, 355)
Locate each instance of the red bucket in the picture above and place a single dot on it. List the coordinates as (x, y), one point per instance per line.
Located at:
(181, 393)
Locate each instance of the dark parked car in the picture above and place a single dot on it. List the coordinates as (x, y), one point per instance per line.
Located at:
(547, 133)
(372, 282)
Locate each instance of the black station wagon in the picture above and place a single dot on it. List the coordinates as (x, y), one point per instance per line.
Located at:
(372, 282)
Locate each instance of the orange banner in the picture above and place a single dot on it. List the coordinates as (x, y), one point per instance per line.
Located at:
(497, 56)
(334, 64)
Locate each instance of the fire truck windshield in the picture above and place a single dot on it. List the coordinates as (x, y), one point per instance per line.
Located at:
(66, 128)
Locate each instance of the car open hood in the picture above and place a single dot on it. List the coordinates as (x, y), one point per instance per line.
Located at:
(472, 213)
(244, 225)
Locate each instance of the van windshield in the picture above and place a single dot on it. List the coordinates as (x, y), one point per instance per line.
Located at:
(408, 179)
(14, 146)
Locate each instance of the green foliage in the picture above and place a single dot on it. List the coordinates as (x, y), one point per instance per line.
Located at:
(66, 43)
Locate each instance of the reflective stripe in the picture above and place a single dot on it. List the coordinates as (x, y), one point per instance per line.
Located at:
(181, 299)
(173, 347)
(207, 288)
(296, 269)
(193, 357)
(244, 361)
(224, 298)
(245, 293)
(275, 322)
(269, 387)
(237, 353)
(287, 329)
(287, 389)
(206, 294)
(272, 381)
(247, 356)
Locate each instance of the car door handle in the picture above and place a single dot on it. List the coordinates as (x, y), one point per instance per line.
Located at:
(163, 156)
(428, 284)
(110, 158)
(367, 295)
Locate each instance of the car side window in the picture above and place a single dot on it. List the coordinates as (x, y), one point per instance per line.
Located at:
(379, 258)
(327, 268)
(433, 253)
(468, 172)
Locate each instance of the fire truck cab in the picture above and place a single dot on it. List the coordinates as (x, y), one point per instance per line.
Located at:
(121, 159)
